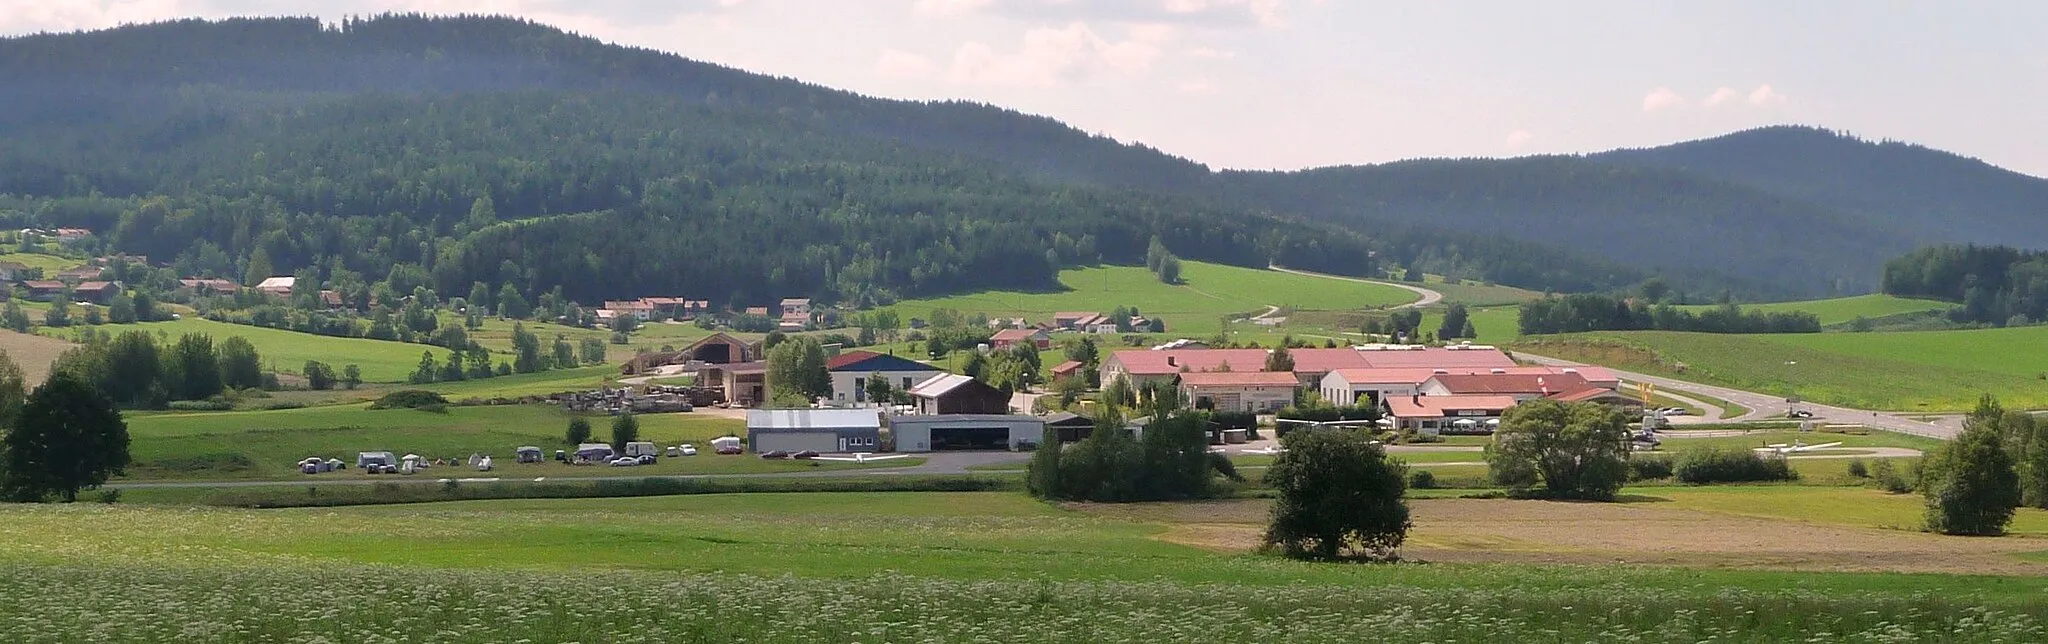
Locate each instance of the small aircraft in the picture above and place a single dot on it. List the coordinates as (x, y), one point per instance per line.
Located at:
(1797, 446)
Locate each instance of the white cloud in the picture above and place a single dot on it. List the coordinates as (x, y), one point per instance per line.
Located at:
(1661, 99)
(1198, 87)
(902, 64)
(1209, 53)
(1215, 13)
(948, 7)
(1764, 95)
(1722, 96)
(1059, 55)
(1519, 138)
(28, 16)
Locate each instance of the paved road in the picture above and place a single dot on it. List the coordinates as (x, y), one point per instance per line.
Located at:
(1428, 296)
(1763, 406)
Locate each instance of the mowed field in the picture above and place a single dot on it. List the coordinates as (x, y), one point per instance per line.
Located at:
(33, 353)
(1000, 567)
(266, 444)
(1210, 292)
(1844, 309)
(1913, 370)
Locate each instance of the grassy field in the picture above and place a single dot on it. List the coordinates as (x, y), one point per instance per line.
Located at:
(288, 351)
(1211, 292)
(1472, 294)
(1913, 370)
(935, 567)
(266, 444)
(51, 264)
(1844, 309)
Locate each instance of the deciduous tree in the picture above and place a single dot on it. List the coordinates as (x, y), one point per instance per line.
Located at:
(1970, 483)
(68, 437)
(1573, 450)
(1340, 495)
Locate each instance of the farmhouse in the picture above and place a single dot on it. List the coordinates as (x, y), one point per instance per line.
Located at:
(330, 299)
(96, 292)
(796, 313)
(1466, 414)
(957, 394)
(80, 273)
(717, 349)
(1523, 387)
(1068, 369)
(1007, 338)
(965, 431)
(12, 271)
(43, 290)
(638, 309)
(818, 430)
(280, 286)
(209, 286)
(851, 372)
(1256, 391)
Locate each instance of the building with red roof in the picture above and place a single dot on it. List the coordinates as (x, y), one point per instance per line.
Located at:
(1521, 386)
(1141, 366)
(1254, 391)
(1462, 414)
(1007, 338)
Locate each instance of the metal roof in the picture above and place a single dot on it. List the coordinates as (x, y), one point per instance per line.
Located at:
(791, 419)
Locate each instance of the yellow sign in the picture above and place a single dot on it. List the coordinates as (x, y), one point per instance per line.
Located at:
(1644, 390)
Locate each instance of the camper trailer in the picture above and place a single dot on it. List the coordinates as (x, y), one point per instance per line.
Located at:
(528, 454)
(726, 445)
(376, 462)
(594, 453)
(638, 449)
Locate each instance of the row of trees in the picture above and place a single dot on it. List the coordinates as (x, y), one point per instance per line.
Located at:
(1997, 285)
(625, 429)
(1162, 262)
(1593, 312)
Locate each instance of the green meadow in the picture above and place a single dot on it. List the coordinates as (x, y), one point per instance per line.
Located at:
(883, 567)
(266, 444)
(288, 351)
(1209, 293)
(1845, 309)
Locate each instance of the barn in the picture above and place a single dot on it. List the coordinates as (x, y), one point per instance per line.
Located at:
(965, 432)
(817, 430)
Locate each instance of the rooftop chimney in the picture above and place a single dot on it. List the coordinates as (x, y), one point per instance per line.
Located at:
(1169, 362)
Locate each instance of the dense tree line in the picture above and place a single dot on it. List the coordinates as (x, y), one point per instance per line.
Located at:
(1592, 312)
(136, 369)
(1998, 285)
(493, 151)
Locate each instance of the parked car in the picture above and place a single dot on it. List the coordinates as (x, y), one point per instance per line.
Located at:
(625, 461)
(1800, 413)
(805, 454)
(775, 453)
(645, 459)
(1674, 411)
(689, 450)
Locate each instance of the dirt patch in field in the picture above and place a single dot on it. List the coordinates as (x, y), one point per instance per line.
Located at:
(1494, 530)
(34, 353)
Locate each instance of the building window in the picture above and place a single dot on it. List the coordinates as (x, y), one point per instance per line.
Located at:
(906, 382)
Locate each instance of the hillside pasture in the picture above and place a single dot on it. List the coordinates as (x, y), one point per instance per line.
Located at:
(1914, 370)
(288, 351)
(1843, 310)
(1209, 293)
(51, 264)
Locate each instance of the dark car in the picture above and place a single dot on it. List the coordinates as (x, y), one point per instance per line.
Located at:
(805, 454)
(776, 453)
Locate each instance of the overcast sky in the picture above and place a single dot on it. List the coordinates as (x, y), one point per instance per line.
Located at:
(1298, 83)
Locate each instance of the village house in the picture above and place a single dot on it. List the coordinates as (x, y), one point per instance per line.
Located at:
(331, 299)
(851, 372)
(80, 274)
(639, 309)
(957, 394)
(13, 271)
(1254, 391)
(1376, 385)
(96, 292)
(1459, 414)
(1068, 369)
(209, 286)
(1007, 338)
(43, 290)
(1141, 367)
(280, 286)
(796, 311)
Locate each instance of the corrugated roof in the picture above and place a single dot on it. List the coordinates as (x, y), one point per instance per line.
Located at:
(791, 419)
(1146, 362)
(860, 360)
(1436, 358)
(1435, 406)
(1511, 383)
(1310, 360)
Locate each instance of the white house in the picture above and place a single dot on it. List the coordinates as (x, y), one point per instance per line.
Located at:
(852, 370)
(1239, 390)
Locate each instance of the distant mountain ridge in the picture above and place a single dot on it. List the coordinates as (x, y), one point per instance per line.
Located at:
(178, 109)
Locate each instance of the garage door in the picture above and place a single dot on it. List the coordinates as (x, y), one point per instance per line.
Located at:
(970, 438)
(797, 442)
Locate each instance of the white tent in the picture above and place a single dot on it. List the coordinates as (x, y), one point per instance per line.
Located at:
(1465, 423)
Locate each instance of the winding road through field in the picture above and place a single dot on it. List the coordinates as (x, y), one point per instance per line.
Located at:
(1768, 406)
(1428, 296)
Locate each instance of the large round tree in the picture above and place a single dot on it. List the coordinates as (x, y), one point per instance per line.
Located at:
(69, 437)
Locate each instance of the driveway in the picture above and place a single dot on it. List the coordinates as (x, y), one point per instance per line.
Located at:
(1428, 296)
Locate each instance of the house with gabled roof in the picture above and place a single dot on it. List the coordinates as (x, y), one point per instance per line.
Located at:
(851, 372)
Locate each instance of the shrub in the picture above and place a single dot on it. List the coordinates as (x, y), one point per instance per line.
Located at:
(1730, 465)
(410, 399)
(285, 404)
(1857, 469)
(1235, 419)
(1888, 478)
(1421, 480)
(1648, 468)
(201, 405)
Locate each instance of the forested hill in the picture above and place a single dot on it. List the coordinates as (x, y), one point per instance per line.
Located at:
(1911, 188)
(498, 151)
(612, 171)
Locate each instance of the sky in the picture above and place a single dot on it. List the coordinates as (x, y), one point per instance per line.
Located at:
(1287, 84)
